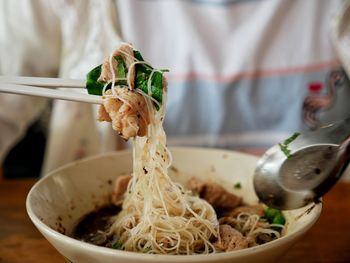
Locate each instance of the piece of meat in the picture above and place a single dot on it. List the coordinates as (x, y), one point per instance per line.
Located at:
(213, 193)
(103, 114)
(128, 113)
(196, 185)
(230, 239)
(248, 209)
(120, 186)
(127, 53)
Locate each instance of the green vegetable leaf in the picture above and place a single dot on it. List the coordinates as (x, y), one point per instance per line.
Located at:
(121, 68)
(117, 245)
(143, 73)
(138, 55)
(157, 86)
(121, 71)
(274, 216)
(284, 146)
(285, 150)
(291, 138)
(93, 86)
(279, 219)
(237, 185)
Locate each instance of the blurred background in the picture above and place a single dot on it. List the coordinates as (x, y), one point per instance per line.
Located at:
(25, 158)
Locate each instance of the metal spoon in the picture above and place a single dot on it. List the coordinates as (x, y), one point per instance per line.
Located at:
(317, 161)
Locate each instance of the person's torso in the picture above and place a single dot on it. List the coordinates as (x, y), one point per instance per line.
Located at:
(242, 73)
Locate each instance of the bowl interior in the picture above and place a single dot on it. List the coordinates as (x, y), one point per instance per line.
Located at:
(59, 200)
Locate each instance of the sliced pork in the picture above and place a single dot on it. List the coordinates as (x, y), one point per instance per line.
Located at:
(214, 193)
(230, 239)
(128, 113)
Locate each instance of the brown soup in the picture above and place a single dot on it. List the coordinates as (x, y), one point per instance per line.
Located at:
(93, 227)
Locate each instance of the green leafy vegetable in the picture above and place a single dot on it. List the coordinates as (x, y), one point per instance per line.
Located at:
(121, 68)
(157, 86)
(143, 73)
(284, 146)
(279, 219)
(138, 55)
(274, 216)
(237, 185)
(117, 245)
(291, 138)
(285, 150)
(93, 86)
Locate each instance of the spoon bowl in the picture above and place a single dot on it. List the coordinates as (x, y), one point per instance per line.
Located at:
(303, 168)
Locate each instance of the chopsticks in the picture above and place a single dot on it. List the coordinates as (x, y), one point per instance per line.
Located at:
(49, 93)
(46, 87)
(44, 82)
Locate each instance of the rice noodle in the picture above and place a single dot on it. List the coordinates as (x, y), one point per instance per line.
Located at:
(158, 215)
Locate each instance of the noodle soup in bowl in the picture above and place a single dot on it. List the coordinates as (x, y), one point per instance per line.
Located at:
(58, 202)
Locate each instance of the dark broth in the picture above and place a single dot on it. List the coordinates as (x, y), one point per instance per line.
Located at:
(93, 227)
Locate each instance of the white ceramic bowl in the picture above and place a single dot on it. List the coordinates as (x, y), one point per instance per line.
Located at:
(57, 202)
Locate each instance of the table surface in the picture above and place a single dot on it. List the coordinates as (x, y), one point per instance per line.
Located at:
(327, 241)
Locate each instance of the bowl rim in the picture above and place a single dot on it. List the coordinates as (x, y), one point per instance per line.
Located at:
(45, 229)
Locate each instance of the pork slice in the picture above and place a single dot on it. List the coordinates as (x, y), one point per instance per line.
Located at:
(230, 239)
(120, 186)
(214, 193)
(196, 185)
(102, 114)
(128, 112)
